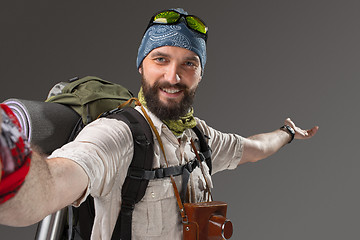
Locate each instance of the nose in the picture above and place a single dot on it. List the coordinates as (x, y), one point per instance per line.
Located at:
(172, 74)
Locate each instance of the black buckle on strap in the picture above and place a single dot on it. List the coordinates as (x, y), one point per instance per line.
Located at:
(190, 166)
(159, 173)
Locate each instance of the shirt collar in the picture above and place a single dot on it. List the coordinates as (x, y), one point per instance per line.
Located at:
(159, 125)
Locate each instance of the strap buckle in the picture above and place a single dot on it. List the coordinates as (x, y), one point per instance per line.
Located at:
(159, 173)
(190, 166)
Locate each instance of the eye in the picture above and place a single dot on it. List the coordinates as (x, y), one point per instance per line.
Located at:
(190, 64)
(160, 59)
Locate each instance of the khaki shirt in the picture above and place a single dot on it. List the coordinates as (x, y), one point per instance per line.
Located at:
(104, 149)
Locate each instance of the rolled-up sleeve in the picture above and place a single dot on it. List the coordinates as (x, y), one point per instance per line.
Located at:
(227, 148)
(104, 149)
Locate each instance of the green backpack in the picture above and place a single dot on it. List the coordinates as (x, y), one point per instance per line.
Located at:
(89, 96)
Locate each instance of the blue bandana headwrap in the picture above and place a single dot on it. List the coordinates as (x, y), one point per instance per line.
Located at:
(178, 35)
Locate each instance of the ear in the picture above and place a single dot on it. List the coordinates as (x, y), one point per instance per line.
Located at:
(140, 70)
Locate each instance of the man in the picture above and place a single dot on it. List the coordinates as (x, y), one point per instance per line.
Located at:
(171, 60)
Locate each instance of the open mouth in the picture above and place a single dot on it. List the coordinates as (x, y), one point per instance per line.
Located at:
(170, 90)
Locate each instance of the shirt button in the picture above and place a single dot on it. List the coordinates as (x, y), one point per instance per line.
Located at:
(152, 194)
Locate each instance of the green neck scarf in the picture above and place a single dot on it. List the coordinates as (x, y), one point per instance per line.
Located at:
(176, 126)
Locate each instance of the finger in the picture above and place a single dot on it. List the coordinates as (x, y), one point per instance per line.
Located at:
(305, 134)
(289, 122)
(300, 132)
(313, 131)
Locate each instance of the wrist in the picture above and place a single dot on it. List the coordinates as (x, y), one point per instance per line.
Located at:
(290, 131)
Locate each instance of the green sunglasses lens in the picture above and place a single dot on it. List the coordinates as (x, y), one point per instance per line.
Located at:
(166, 17)
(170, 17)
(196, 24)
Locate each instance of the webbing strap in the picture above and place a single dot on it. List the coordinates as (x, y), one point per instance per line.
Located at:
(183, 170)
(139, 173)
(184, 184)
(205, 151)
(133, 189)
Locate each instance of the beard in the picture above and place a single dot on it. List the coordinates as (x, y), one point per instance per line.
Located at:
(172, 110)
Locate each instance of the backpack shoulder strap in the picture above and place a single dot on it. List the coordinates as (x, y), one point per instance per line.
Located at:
(134, 186)
(205, 150)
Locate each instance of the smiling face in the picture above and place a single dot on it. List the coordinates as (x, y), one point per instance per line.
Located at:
(170, 76)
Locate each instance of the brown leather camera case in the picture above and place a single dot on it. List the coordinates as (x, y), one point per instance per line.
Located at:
(207, 221)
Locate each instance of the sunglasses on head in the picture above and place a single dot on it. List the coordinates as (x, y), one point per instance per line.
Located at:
(169, 17)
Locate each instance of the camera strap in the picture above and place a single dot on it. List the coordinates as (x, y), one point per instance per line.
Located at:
(177, 195)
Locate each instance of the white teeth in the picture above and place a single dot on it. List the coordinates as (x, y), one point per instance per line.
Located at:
(170, 90)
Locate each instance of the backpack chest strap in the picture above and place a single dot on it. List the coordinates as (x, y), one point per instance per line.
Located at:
(138, 173)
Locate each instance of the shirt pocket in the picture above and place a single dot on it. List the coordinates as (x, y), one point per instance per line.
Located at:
(157, 213)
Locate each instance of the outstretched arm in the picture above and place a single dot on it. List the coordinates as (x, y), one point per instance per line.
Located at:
(260, 146)
(47, 188)
(49, 184)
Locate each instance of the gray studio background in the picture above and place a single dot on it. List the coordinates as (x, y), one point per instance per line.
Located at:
(267, 60)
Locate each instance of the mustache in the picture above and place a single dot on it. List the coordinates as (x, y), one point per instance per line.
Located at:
(169, 85)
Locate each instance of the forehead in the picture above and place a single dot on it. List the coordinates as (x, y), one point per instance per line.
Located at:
(174, 52)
